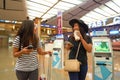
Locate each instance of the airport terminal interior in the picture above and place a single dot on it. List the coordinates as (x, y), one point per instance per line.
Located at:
(52, 20)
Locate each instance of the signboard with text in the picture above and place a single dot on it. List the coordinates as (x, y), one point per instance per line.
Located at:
(110, 21)
(59, 22)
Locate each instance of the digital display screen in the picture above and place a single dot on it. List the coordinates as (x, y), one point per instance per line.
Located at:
(113, 32)
(101, 46)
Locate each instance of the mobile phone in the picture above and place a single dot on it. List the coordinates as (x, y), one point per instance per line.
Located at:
(30, 47)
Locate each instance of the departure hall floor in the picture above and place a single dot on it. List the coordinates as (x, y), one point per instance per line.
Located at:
(7, 62)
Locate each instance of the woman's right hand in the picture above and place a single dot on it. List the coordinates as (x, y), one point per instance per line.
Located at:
(68, 45)
(26, 51)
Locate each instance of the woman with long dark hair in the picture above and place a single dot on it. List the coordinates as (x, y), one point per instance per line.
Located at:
(25, 48)
(79, 36)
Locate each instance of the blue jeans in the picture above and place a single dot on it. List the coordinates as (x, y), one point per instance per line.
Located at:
(79, 75)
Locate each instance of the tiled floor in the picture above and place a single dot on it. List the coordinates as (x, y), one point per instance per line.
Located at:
(7, 62)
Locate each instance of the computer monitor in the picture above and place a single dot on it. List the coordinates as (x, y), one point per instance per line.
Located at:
(101, 46)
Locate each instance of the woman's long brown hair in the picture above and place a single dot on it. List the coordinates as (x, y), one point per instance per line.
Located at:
(26, 34)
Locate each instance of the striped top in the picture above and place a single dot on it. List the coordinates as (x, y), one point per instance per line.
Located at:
(26, 62)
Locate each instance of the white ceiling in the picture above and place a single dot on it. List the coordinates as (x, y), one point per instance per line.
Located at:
(78, 12)
(104, 11)
(46, 9)
(87, 10)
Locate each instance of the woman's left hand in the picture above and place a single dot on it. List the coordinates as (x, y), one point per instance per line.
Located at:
(79, 34)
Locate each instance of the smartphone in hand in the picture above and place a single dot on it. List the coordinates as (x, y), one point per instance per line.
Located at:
(30, 47)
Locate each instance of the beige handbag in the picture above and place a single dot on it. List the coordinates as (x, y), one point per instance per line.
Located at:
(73, 65)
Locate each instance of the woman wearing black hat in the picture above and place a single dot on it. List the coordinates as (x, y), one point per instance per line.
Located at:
(79, 36)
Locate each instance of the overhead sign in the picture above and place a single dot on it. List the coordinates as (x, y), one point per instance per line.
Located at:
(112, 21)
(48, 26)
(97, 24)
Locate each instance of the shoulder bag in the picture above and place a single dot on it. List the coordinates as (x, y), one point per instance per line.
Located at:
(73, 65)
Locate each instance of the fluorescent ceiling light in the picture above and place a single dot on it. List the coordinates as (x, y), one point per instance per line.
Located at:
(107, 9)
(34, 13)
(74, 2)
(48, 16)
(44, 2)
(87, 19)
(31, 18)
(58, 6)
(113, 6)
(35, 5)
(54, 11)
(95, 15)
(44, 9)
(52, 1)
(117, 2)
(101, 11)
(65, 4)
(37, 9)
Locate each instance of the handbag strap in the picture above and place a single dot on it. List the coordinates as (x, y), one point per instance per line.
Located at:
(78, 50)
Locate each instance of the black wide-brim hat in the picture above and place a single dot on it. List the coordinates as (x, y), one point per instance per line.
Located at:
(81, 24)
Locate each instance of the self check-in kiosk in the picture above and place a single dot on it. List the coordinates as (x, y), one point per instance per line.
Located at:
(102, 59)
(58, 50)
